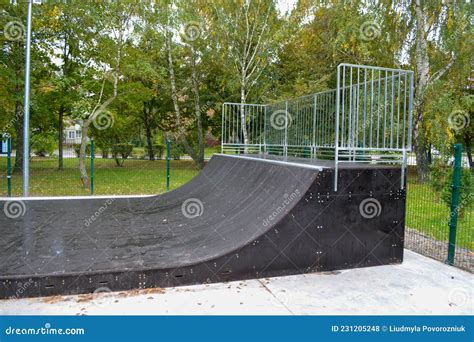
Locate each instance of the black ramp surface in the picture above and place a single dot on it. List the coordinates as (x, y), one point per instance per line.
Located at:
(239, 218)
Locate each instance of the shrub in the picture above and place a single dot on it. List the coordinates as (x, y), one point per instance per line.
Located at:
(43, 144)
(158, 149)
(77, 150)
(467, 190)
(177, 150)
(105, 153)
(120, 152)
(438, 173)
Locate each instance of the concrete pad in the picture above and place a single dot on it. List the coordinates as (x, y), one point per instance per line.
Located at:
(418, 286)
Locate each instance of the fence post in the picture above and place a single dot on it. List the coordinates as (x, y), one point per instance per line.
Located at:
(286, 130)
(168, 158)
(265, 129)
(9, 166)
(455, 195)
(92, 166)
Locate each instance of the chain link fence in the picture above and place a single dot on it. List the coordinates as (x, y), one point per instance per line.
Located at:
(121, 170)
(433, 212)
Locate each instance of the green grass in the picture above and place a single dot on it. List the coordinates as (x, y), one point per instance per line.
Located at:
(209, 151)
(429, 215)
(136, 177)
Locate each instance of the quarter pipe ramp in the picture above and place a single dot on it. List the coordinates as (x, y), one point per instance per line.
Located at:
(241, 217)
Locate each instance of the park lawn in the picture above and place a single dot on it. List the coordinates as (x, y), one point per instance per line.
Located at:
(136, 177)
(429, 215)
(209, 151)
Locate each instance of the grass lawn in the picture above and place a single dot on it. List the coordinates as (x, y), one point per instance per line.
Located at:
(425, 212)
(209, 151)
(430, 216)
(136, 177)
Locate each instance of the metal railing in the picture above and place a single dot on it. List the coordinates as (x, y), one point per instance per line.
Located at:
(367, 119)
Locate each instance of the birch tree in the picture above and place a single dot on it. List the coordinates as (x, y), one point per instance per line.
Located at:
(114, 31)
(428, 23)
(247, 30)
(170, 21)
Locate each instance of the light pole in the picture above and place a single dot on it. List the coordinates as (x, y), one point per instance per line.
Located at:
(26, 106)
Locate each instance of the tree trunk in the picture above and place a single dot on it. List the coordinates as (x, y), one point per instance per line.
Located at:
(422, 71)
(148, 133)
(82, 156)
(61, 138)
(420, 146)
(243, 121)
(468, 146)
(174, 97)
(149, 142)
(197, 109)
(422, 162)
(18, 167)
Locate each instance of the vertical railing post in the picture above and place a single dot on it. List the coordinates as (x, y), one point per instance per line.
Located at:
(455, 195)
(223, 128)
(168, 159)
(336, 133)
(313, 150)
(9, 166)
(265, 129)
(92, 166)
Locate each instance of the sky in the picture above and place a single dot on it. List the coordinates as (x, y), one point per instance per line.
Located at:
(285, 5)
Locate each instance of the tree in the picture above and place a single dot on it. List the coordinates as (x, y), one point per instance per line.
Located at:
(167, 22)
(63, 25)
(433, 20)
(247, 29)
(106, 43)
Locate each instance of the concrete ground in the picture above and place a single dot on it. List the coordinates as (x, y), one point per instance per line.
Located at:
(419, 286)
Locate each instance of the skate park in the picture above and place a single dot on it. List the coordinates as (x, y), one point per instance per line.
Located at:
(316, 185)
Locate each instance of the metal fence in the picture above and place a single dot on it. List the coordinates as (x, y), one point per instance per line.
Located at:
(108, 174)
(367, 118)
(439, 223)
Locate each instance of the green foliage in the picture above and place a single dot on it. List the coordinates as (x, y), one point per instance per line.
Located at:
(177, 148)
(467, 190)
(77, 150)
(43, 145)
(158, 149)
(120, 152)
(438, 175)
(75, 44)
